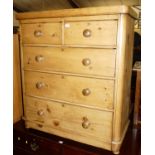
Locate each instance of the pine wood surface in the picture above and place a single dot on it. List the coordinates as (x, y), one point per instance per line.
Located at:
(79, 90)
(50, 33)
(17, 92)
(79, 12)
(123, 82)
(71, 19)
(66, 120)
(70, 88)
(102, 61)
(102, 33)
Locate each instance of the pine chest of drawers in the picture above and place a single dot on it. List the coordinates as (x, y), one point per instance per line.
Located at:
(76, 71)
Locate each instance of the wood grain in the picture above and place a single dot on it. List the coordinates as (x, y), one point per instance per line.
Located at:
(70, 60)
(106, 10)
(66, 120)
(51, 33)
(123, 82)
(79, 18)
(102, 33)
(100, 89)
(70, 88)
(17, 94)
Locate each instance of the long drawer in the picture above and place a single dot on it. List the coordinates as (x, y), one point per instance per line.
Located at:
(84, 91)
(75, 60)
(91, 32)
(42, 33)
(81, 124)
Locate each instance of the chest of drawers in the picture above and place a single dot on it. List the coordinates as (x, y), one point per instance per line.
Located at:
(76, 71)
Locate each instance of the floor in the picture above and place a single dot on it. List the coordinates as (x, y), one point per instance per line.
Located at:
(130, 146)
(132, 142)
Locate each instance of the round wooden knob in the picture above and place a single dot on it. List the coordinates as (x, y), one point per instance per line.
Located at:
(86, 92)
(39, 85)
(38, 33)
(86, 62)
(39, 58)
(85, 123)
(40, 112)
(87, 33)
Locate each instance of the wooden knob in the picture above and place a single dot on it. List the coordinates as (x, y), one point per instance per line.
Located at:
(40, 112)
(86, 62)
(85, 123)
(86, 92)
(87, 33)
(38, 33)
(39, 58)
(39, 85)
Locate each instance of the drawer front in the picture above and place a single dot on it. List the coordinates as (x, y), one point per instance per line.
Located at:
(73, 60)
(71, 121)
(84, 91)
(91, 33)
(41, 33)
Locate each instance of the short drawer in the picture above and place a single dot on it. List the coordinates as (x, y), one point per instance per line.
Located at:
(87, 61)
(74, 122)
(84, 91)
(41, 33)
(91, 33)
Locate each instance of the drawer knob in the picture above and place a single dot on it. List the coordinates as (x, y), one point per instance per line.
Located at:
(40, 112)
(39, 85)
(85, 123)
(34, 147)
(86, 62)
(86, 92)
(87, 33)
(39, 58)
(38, 33)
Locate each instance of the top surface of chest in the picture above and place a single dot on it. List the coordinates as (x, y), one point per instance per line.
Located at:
(106, 10)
